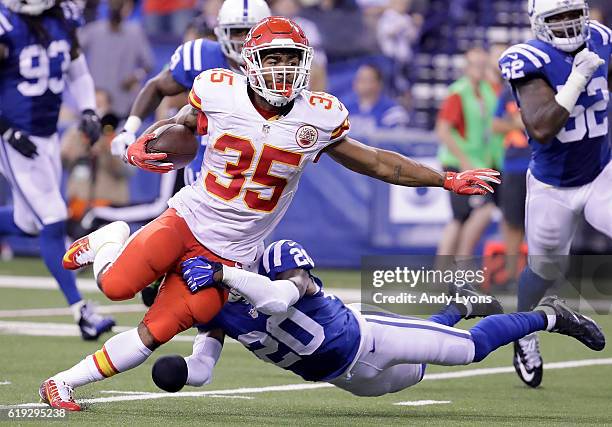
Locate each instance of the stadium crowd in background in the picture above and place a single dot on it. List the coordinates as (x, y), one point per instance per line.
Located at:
(369, 52)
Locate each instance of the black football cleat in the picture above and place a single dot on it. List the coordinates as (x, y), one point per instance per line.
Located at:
(570, 322)
(471, 299)
(91, 324)
(527, 360)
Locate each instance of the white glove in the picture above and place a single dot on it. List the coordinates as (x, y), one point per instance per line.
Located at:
(586, 63)
(121, 142)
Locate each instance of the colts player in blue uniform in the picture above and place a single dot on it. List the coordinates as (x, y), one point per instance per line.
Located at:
(366, 353)
(560, 80)
(235, 19)
(39, 57)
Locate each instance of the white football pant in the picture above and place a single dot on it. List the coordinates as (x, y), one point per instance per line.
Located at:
(35, 183)
(552, 214)
(395, 349)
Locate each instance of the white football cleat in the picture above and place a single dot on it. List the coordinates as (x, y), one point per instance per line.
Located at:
(83, 251)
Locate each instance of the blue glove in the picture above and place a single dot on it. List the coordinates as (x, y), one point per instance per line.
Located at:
(199, 273)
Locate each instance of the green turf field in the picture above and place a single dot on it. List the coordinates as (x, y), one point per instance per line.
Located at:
(568, 396)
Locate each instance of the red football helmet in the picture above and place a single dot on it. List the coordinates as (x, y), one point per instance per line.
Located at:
(276, 33)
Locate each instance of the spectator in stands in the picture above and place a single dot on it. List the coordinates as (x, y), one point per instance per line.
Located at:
(369, 108)
(513, 192)
(119, 55)
(464, 129)
(95, 177)
(291, 9)
(396, 32)
(342, 26)
(163, 18)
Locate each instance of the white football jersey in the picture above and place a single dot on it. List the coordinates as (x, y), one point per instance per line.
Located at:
(252, 166)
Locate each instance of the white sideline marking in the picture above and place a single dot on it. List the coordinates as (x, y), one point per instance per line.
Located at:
(346, 295)
(38, 282)
(508, 369)
(5, 383)
(65, 311)
(39, 329)
(422, 402)
(89, 285)
(142, 393)
(60, 330)
(314, 386)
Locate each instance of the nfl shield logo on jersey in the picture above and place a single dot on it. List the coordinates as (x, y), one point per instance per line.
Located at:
(306, 136)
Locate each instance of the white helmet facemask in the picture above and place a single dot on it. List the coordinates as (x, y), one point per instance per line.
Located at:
(238, 15)
(567, 35)
(287, 81)
(29, 7)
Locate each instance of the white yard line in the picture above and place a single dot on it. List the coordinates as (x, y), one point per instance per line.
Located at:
(141, 393)
(89, 285)
(422, 402)
(5, 383)
(38, 282)
(314, 386)
(349, 295)
(65, 311)
(49, 329)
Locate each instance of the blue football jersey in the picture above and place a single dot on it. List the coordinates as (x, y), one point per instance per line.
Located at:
(187, 62)
(318, 338)
(582, 149)
(32, 76)
(193, 57)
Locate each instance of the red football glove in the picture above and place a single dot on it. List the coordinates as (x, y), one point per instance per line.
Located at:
(137, 155)
(471, 181)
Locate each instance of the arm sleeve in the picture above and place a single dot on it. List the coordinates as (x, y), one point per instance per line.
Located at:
(81, 84)
(200, 365)
(267, 296)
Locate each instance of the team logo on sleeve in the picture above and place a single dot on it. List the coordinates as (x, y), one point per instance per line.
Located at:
(306, 136)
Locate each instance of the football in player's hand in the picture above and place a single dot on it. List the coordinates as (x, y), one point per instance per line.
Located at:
(178, 141)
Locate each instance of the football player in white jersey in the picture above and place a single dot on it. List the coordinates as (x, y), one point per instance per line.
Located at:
(263, 128)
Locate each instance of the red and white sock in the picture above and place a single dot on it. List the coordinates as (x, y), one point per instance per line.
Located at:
(119, 354)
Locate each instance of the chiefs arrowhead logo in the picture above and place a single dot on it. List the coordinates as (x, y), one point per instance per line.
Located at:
(306, 136)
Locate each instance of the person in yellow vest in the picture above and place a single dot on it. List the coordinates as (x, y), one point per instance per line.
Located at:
(464, 130)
